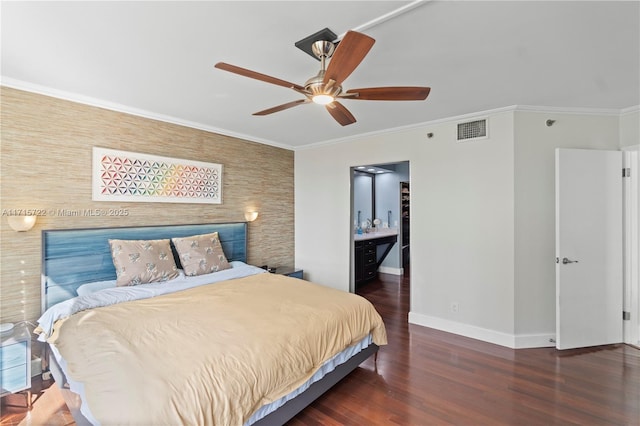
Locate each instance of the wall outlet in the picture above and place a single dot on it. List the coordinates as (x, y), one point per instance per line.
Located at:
(455, 307)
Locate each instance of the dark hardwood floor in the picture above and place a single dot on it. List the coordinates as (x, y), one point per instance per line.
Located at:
(48, 407)
(428, 377)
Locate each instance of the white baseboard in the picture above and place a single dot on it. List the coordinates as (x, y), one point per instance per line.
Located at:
(389, 270)
(524, 341)
(484, 334)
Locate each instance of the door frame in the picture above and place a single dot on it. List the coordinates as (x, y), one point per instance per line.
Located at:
(352, 218)
(631, 251)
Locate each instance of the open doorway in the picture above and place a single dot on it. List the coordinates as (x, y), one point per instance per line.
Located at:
(405, 226)
(380, 217)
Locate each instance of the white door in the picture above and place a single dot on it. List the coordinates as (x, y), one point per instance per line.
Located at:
(589, 269)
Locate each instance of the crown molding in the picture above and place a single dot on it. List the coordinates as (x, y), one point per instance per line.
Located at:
(99, 103)
(112, 106)
(630, 110)
(564, 110)
(410, 127)
(473, 115)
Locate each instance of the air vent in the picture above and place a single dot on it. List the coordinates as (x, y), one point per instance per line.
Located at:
(472, 130)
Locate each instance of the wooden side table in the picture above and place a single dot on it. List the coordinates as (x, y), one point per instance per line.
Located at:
(290, 272)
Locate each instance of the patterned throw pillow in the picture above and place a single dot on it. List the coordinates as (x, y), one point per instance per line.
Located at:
(142, 261)
(201, 254)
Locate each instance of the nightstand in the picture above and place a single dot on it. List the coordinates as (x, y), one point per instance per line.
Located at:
(290, 272)
(15, 362)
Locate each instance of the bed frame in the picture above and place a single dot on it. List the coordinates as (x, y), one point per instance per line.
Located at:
(74, 257)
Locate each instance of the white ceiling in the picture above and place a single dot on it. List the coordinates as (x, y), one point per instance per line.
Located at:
(156, 59)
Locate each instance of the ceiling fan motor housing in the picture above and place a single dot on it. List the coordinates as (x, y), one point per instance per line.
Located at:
(316, 86)
(323, 49)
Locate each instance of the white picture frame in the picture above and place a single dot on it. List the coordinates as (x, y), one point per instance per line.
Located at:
(135, 177)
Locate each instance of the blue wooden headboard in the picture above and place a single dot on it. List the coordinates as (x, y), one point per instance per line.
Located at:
(72, 257)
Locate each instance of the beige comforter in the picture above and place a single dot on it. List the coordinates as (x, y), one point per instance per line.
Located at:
(211, 355)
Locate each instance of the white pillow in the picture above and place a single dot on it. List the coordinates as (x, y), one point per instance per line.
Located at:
(88, 288)
(92, 287)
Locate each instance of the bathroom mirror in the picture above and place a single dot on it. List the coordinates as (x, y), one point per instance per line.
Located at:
(364, 201)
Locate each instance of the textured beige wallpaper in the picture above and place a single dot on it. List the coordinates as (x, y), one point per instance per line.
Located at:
(45, 162)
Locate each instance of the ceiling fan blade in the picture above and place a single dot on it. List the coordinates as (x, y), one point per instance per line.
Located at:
(340, 113)
(389, 93)
(258, 76)
(282, 107)
(350, 52)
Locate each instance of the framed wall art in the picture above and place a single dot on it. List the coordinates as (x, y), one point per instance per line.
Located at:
(129, 176)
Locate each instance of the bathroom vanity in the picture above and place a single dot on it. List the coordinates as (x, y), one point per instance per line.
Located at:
(367, 259)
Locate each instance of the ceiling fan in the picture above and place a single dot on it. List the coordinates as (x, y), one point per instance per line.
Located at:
(325, 88)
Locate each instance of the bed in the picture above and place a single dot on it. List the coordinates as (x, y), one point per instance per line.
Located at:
(231, 346)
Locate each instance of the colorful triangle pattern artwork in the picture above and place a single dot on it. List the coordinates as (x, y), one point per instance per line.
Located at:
(121, 174)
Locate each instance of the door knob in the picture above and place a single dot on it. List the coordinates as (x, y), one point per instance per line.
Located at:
(565, 261)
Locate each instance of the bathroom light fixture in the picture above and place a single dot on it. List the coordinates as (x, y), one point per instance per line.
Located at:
(251, 216)
(21, 223)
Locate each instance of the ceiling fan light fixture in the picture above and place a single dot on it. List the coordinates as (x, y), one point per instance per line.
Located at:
(322, 99)
(325, 88)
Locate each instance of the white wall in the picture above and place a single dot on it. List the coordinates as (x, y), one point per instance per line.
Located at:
(462, 218)
(630, 127)
(322, 201)
(482, 232)
(462, 228)
(535, 145)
